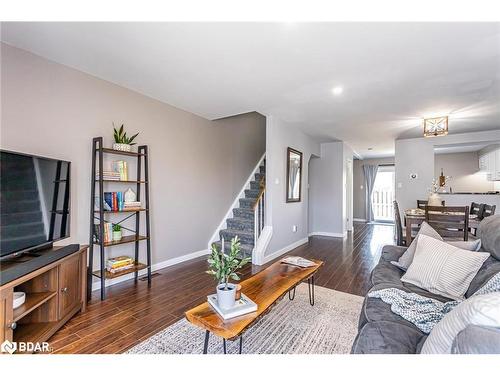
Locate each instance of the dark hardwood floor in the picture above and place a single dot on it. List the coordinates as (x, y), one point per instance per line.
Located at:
(133, 312)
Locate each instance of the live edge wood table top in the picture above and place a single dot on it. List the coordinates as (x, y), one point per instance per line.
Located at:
(264, 288)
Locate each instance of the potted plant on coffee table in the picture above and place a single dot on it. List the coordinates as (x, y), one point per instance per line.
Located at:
(122, 141)
(223, 268)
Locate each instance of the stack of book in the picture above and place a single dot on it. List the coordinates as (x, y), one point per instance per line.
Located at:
(120, 167)
(109, 175)
(115, 200)
(119, 264)
(131, 206)
(108, 232)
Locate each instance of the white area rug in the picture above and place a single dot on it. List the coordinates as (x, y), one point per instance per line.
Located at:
(291, 327)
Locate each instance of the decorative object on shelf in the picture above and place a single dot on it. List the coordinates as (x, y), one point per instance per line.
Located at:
(223, 268)
(436, 126)
(18, 299)
(107, 204)
(117, 232)
(119, 264)
(122, 142)
(434, 198)
(442, 179)
(130, 196)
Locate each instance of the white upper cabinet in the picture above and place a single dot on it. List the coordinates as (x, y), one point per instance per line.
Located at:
(489, 162)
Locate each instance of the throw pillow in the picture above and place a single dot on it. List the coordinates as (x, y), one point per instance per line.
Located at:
(466, 245)
(442, 268)
(405, 260)
(482, 310)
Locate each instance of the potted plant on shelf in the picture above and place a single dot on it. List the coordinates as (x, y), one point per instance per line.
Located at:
(117, 232)
(122, 142)
(223, 268)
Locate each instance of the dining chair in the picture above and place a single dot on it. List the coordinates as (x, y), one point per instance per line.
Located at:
(475, 209)
(451, 221)
(421, 204)
(488, 210)
(400, 241)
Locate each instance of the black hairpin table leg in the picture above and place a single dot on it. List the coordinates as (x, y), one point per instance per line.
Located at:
(310, 285)
(224, 345)
(205, 347)
(290, 295)
(241, 343)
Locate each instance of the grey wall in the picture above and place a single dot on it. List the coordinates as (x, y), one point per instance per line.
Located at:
(463, 167)
(416, 155)
(281, 215)
(197, 166)
(359, 184)
(327, 205)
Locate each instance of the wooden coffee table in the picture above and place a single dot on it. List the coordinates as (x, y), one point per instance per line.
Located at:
(265, 289)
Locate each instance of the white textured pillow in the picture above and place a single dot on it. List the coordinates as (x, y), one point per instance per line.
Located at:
(467, 245)
(483, 310)
(405, 260)
(442, 268)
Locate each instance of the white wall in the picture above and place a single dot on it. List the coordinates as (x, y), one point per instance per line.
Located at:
(416, 155)
(463, 167)
(281, 215)
(196, 167)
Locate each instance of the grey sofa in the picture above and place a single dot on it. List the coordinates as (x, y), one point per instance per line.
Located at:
(380, 331)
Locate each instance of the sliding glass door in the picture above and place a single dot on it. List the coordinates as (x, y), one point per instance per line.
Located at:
(383, 194)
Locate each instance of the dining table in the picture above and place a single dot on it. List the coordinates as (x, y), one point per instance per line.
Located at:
(416, 216)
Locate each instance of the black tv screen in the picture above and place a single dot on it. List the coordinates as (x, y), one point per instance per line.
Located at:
(34, 202)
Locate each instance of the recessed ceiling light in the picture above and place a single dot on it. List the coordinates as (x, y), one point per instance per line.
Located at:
(337, 90)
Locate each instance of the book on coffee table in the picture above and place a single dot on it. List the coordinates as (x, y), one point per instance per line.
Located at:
(241, 307)
(298, 261)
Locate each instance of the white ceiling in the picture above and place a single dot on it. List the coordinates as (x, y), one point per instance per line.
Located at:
(393, 74)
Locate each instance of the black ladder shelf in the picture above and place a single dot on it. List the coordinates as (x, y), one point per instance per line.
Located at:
(97, 216)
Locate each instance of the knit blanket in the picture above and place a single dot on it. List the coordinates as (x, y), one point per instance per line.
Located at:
(425, 312)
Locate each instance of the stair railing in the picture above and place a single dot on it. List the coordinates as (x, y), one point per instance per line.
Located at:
(258, 211)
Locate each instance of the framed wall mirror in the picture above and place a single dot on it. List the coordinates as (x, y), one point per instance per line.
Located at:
(293, 175)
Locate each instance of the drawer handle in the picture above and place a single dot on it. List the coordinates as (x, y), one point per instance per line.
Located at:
(12, 325)
(65, 289)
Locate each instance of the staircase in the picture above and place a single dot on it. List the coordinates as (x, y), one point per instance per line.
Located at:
(21, 221)
(248, 218)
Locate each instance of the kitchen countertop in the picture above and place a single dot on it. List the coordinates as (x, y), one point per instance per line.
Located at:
(469, 193)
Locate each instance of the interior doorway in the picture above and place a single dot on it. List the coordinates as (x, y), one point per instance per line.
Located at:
(383, 194)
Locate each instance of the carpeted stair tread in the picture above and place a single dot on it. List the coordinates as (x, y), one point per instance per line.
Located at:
(252, 193)
(247, 202)
(246, 237)
(239, 223)
(245, 249)
(246, 213)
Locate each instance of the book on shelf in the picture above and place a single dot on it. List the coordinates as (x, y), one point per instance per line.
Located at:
(119, 263)
(121, 168)
(241, 307)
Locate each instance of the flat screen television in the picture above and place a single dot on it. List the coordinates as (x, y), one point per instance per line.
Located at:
(34, 202)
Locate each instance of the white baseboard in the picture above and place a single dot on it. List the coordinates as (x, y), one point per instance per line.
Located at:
(286, 249)
(328, 234)
(360, 220)
(167, 263)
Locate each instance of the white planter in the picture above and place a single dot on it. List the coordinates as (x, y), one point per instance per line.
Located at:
(226, 298)
(117, 236)
(122, 147)
(434, 200)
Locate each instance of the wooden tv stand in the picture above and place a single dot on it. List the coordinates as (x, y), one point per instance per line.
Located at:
(54, 293)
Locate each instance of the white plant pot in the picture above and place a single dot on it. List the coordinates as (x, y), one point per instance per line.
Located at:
(434, 200)
(122, 147)
(117, 236)
(226, 298)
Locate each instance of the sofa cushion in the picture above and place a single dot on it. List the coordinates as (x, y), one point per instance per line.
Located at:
(477, 340)
(443, 268)
(387, 338)
(384, 272)
(481, 310)
(407, 257)
(489, 232)
(391, 252)
(489, 269)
